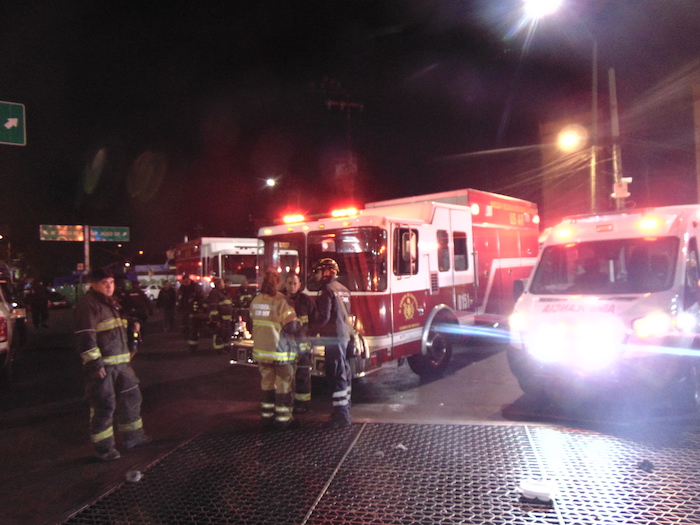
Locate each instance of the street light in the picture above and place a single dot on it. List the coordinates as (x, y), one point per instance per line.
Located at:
(535, 9)
(572, 138)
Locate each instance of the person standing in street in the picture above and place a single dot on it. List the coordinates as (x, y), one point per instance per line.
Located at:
(220, 314)
(167, 301)
(38, 302)
(111, 385)
(274, 327)
(191, 302)
(305, 310)
(136, 307)
(331, 322)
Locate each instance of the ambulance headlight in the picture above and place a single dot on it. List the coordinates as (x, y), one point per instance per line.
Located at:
(586, 343)
(656, 324)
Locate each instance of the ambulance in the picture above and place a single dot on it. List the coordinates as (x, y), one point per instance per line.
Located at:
(612, 306)
(422, 271)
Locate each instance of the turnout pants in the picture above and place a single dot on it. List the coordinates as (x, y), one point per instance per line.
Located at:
(302, 378)
(277, 393)
(117, 393)
(339, 380)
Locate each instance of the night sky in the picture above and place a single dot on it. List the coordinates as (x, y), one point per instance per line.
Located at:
(167, 117)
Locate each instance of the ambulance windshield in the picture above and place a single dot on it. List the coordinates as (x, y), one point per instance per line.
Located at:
(607, 267)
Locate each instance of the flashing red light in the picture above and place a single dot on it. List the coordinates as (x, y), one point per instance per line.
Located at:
(344, 212)
(288, 219)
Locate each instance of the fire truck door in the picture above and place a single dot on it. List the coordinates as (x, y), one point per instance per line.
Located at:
(462, 271)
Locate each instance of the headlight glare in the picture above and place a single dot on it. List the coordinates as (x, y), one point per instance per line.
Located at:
(657, 324)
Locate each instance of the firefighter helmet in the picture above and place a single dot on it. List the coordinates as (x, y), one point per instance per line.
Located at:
(327, 264)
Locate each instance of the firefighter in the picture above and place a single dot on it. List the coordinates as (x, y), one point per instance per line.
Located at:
(191, 302)
(305, 309)
(331, 322)
(274, 327)
(111, 385)
(136, 307)
(220, 314)
(244, 296)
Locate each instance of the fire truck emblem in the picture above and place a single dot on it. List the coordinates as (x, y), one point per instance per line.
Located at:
(408, 306)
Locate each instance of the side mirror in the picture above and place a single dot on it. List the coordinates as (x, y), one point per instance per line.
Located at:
(518, 288)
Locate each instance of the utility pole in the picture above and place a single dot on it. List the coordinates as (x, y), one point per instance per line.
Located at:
(620, 190)
(347, 172)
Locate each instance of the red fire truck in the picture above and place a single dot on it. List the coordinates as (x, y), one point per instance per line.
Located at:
(420, 270)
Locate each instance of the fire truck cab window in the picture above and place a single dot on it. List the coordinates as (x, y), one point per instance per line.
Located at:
(460, 251)
(405, 251)
(443, 250)
(360, 253)
(284, 253)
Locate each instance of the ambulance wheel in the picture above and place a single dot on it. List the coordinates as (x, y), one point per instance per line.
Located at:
(437, 356)
(521, 366)
(692, 393)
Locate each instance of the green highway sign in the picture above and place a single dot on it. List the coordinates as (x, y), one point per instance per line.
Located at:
(61, 232)
(109, 233)
(12, 124)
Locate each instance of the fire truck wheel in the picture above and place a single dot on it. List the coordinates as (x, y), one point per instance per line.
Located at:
(436, 358)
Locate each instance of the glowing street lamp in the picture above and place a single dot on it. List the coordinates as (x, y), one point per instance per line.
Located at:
(572, 138)
(535, 9)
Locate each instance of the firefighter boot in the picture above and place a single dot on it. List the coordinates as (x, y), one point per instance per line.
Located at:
(340, 417)
(267, 409)
(136, 439)
(284, 404)
(106, 451)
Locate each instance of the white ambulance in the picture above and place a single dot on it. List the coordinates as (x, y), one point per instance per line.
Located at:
(612, 304)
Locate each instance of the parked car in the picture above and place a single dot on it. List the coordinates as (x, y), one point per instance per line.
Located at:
(58, 300)
(152, 291)
(9, 315)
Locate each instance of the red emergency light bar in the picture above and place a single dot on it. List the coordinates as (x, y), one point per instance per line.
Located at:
(344, 212)
(289, 219)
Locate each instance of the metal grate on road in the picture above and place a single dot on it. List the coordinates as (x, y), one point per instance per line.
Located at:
(401, 473)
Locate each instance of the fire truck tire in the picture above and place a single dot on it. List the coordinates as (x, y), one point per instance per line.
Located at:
(436, 358)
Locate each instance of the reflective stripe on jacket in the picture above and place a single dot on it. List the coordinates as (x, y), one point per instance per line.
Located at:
(100, 331)
(269, 315)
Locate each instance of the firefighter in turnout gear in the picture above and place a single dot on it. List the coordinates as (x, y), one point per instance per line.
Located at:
(111, 385)
(220, 315)
(305, 309)
(191, 301)
(274, 327)
(331, 322)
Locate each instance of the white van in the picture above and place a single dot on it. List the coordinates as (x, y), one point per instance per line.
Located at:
(612, 302)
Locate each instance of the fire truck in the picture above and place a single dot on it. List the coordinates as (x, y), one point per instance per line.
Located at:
(420, 270)
(231, 258)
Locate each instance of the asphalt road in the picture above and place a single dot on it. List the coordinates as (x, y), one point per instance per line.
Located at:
(48, 471)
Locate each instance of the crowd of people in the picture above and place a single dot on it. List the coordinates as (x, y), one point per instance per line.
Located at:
(285, 321)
